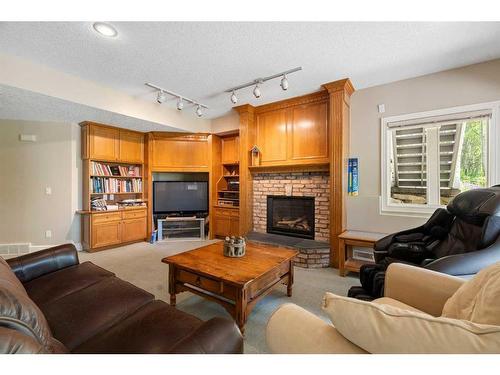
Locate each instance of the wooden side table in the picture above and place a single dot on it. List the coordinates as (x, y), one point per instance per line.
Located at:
(351, 238)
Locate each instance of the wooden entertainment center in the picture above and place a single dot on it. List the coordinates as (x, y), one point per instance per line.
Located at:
(309, 133)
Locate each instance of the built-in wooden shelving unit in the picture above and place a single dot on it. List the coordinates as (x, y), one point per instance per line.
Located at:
(113, 178)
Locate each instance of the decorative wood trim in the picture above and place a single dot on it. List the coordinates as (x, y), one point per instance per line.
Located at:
(148, 180)
(318, 96)
(180, 136)
(339, 120)
(214, 176)
(84, 123)
(341, 85)
(316, 167)
(247, 140)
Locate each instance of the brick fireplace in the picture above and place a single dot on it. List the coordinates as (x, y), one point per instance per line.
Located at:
(303, 184)
(313, 185)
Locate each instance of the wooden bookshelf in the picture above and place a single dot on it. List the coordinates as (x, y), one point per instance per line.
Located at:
(136, 192)
(226, 216)
(227, 184)
(112, 156)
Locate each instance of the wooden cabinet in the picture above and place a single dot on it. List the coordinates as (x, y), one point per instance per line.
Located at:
(222, 226)
(102, 142)
(106, 234)
(293, 135)
(226, 222)
(308, 132)
(230, 150)
(234, 226)
(272, 137)
(133, 229)
(106, 229)
(131, 146)
(180, 153)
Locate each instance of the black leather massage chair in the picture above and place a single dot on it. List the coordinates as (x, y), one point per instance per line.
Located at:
(459, 240)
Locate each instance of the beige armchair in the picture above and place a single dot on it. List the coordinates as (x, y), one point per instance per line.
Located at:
(291, 329)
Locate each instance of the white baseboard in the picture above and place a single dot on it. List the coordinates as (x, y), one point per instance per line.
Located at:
(15, 249)
(34, 248)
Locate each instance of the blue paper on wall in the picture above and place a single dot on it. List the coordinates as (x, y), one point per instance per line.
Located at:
(353, 177)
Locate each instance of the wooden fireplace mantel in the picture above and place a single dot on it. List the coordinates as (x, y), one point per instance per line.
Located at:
(306, 133)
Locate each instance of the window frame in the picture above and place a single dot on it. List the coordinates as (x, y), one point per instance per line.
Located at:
(424, 211)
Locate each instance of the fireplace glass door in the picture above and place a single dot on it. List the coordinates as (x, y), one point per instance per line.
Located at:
(290, 216)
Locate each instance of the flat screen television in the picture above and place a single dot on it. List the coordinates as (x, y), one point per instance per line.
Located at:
(180, 197)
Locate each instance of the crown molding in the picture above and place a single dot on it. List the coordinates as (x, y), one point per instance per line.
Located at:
(340, 85)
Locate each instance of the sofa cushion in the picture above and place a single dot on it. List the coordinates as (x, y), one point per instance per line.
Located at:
(14, 342)
(154, 328)
(7, 276)
(19, 313)
(387, 329)
(478, 299)
(395, 303)
(52, 286)
(78, 316)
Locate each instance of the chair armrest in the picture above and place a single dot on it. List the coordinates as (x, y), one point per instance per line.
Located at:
(30, 266)
(420, 288)
(293, 330)
(215, 336)
(468, 263)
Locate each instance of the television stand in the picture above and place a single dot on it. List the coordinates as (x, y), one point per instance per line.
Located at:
(181, 229)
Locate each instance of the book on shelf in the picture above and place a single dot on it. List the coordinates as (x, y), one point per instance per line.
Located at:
(98, 204)
(126, 203)
(105, 185)
(103, 169)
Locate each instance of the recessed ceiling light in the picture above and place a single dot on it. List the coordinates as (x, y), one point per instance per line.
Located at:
(105, 29)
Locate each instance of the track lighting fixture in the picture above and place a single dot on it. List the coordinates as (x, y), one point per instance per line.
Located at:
(256, 91)
(180, 104)
(162, 97)
(257, 82)
(284, 83)
(234, 98)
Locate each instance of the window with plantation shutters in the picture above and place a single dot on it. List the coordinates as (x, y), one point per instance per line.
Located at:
(427, 159)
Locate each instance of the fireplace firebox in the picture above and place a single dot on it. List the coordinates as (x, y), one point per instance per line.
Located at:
(290, 216)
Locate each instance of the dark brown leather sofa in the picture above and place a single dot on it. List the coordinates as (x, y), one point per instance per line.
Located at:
(50, 303)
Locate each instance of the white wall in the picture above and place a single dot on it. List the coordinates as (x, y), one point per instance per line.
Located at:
(468, 85)
(26, 169)
(226, 123)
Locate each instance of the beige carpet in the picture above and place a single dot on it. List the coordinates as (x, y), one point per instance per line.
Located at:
(141, 265)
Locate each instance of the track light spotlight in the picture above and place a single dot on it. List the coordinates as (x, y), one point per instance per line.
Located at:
(234, 99)
(259, 81)
(163, 94)
(180, 104)
(284, 83)
(256, 91)
(161, 97)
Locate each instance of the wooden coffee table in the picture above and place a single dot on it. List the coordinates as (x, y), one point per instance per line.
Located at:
(235, 283)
